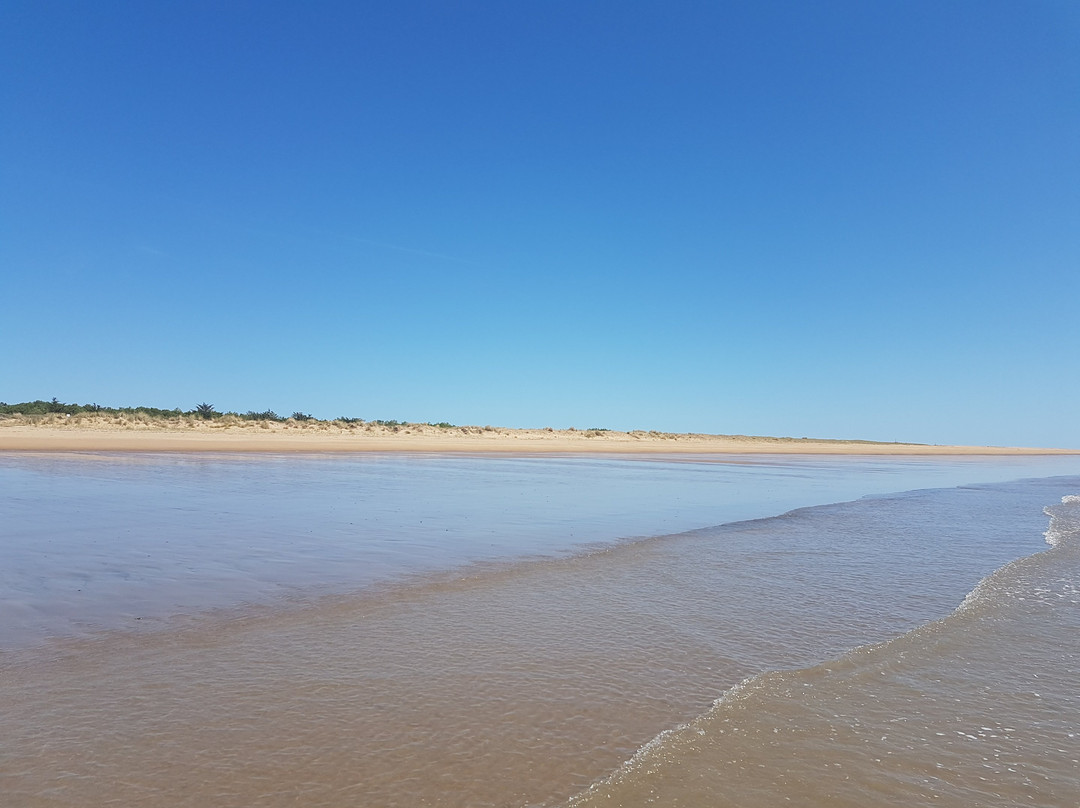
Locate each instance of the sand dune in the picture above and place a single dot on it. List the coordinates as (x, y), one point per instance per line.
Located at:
(139, 432)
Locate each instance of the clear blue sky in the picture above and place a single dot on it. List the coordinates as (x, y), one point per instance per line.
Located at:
(833, 219)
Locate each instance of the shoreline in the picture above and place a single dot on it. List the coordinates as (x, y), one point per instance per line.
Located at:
(421, 438)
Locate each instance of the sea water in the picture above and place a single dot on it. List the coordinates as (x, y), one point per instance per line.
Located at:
(978, 708)
(388, 630)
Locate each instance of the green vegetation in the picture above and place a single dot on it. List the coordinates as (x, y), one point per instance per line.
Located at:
(56, 407)
(204, 411)
(265, 415)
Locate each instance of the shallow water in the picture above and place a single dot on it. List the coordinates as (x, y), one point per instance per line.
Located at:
(979, 708)
(533, 676)
(100, 541)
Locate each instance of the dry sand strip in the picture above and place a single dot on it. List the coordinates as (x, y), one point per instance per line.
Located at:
(332, 437)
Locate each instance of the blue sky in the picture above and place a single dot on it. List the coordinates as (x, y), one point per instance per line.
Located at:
(836, 219)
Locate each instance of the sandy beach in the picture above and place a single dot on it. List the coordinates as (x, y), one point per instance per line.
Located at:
(137, 433)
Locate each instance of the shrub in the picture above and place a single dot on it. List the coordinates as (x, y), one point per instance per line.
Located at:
(40, 407)
(265, 415)
(301, 416)
(57, 407)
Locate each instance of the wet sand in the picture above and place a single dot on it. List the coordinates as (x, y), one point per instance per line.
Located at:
(133, 435)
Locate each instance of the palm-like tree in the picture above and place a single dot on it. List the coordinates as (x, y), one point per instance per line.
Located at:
(205, 410)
